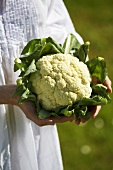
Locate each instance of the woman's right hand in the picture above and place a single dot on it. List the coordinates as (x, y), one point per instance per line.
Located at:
(29, 110)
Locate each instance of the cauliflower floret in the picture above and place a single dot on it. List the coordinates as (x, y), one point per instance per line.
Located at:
(60, 80)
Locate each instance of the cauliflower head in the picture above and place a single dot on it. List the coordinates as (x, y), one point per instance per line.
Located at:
(60, 80)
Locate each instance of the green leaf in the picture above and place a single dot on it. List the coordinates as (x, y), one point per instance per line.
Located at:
(100, 89)
(37, 48)
(27, 95)
(43, 114)
(27, 59)
(48, 49)
(31, 46)
(97, 68)
(38, 106)
(96, 100)
(30, 69)
(19, 90)
(31, 97)
(19, 65)
(82, 52)
(55, 114)
(70, 44)
(67, 111)
(87, 115)
(58, 46)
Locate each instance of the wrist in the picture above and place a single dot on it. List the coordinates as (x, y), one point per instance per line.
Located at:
(7, 95)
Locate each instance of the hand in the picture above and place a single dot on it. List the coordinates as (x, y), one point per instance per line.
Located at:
(30, 111)
(95, 110)
(108, 84)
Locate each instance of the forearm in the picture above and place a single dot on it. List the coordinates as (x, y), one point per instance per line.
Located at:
(7, 94)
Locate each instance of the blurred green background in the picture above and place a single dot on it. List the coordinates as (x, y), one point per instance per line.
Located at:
(89, 146)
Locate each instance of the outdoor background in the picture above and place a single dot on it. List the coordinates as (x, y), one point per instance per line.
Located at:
(89, 146)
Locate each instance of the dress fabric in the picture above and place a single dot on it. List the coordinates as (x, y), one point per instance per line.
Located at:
(24, 145)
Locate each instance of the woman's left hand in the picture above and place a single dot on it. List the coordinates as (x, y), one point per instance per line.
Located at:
(95, 110)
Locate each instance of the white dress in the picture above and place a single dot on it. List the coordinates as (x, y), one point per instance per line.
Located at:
(24, 145)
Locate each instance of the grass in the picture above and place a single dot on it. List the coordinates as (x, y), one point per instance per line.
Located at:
(89, 146)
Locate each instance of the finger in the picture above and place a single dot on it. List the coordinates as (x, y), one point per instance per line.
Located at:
(77, 121)
(50, 122)
(83, 120)
(37, 121)
(62, 119)
(53, 120)
(43, 122)
(108, 83)
(95, 111)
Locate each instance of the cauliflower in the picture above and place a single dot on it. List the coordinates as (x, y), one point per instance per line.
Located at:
(60, 80)
(57, 78)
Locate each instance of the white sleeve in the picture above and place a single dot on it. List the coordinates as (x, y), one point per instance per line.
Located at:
(59, 23)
